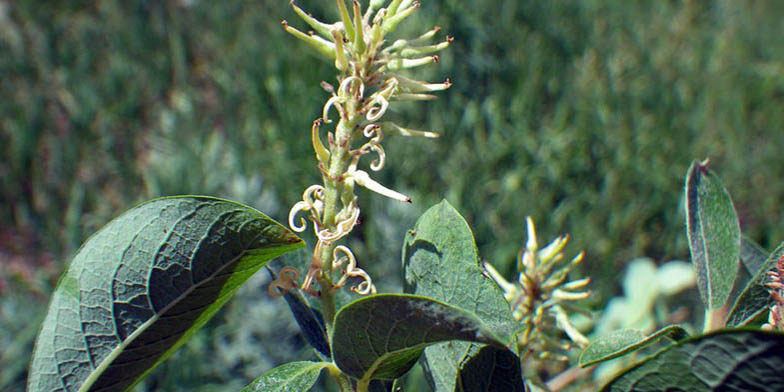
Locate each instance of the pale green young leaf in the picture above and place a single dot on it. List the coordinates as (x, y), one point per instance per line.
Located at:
(714, 235)
(289, 377)
(143, 284)
(726, 360)
(382, 336)
(440, 261)
(624, 341)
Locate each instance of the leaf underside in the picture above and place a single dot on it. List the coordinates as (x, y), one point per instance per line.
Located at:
(382, 336)
(714, 236)
(727, 360)
(440, 261)
(625, 341)
(140, 286)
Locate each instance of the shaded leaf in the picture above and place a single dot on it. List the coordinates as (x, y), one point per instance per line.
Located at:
(140, 286)
(755, 298)
(714, 235)
(752, 256)
(382, 336)
(624, 341)
(752, 259)
(380, 386)
(310, 321)
(289, 377)
(440, 261)
(727, 360)
(492, 369)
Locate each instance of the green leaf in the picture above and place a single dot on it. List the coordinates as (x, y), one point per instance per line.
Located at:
(289, 377)
(143, 284)
(755, 298)
(752, 260)
(752, 256)
(726, 360)
(440, 261)
(714, 235)
(624, 341)
(382, 336)
(492, 369)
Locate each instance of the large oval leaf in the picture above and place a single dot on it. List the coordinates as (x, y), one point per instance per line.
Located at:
(382, 336)
(440, 261)
(144, 283)
(714, 235)
(727, 360)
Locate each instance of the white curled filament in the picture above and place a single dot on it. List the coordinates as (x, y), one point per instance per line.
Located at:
(379, 102)
(376, 107)
(345, 87)
(351, 270)
(312, 201)
(373, 132)
(346, 220)
(337, 102)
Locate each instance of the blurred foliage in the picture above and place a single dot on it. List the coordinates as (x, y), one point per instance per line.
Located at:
(584, 115)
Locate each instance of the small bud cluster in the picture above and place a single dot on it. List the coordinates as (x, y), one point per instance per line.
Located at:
(368, 82)
(539, 297)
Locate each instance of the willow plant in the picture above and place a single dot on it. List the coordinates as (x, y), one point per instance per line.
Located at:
(369, 81)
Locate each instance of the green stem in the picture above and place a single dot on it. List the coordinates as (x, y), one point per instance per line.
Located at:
(363, 385)
(714, 319)
(344, 384)
(708, 321)
(334, 183)
(327, 306)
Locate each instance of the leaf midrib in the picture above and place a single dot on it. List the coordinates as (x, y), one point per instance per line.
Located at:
(117, 351)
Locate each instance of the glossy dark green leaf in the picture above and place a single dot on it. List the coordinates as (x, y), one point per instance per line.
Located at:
(755, 299)
(714, 235)
(440, 261)
(382, 336)
(491, 369)
(624, 341)
(289, 377)
(726, 360)
(140, 286)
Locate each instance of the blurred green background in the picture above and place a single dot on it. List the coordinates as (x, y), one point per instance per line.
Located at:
(584, 115)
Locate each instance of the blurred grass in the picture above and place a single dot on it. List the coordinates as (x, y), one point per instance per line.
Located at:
(584, 115)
